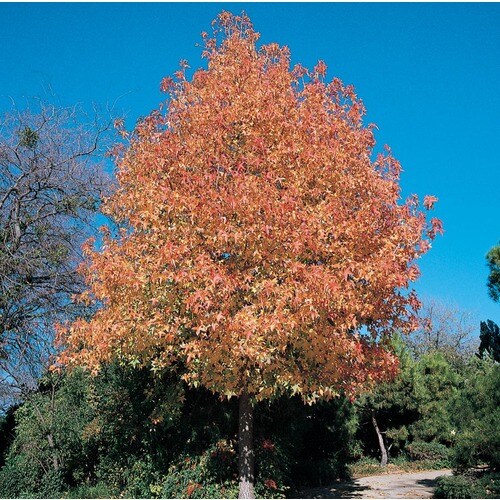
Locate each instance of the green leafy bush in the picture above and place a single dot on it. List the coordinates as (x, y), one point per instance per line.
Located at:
(488, 486)
(421, 450)
(274, 461)
(212, 474)
(86, 490)
(453, 487)
(365, 466)
(477, 417)
(18, 481)
(127, 433)
(13, 479)
(140, 477)
(468, 486)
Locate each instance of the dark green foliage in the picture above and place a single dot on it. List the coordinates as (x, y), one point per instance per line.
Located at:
(324, 433)
(28, 138)
(85, 490)
(394, 405)
(490, 340)
(437, 452)
(129, 433)
(470, 486)
(437, 385)
(274, 468)
(453, 487)
(7, 425)
(493, 261)
(81, 430)
(47, 449)
(412, 412)
(20, 478)
(213, 474)
(476, 415)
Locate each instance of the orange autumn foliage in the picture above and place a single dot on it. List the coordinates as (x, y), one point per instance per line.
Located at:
(264, 249)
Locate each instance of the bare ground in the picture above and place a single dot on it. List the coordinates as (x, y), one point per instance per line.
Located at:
(402, 485)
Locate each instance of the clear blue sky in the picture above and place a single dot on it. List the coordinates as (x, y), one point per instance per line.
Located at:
(429, 75)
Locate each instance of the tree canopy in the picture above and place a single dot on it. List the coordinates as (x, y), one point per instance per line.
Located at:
(258, 233)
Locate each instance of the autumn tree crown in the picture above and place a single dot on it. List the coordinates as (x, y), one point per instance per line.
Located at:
(264, 247)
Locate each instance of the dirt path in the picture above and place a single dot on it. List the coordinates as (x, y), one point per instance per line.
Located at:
(404, 485)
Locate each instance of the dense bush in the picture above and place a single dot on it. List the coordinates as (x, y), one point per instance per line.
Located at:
(86, 490)
(317, 442)
(212, 474)
(468, 486)
(78, 430)
(129, 433)
(47, 452)
(476, 414)
(421, 450)
(453, 487)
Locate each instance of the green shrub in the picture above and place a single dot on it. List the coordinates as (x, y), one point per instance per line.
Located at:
(488, 486)
(421, 450)
(212, 474)
(365, 466)
(469, 486)
(19, 480)
(273, 468)
(99, 490)
(477, 417)
(13, 481)
(139, 478)
(453, 487)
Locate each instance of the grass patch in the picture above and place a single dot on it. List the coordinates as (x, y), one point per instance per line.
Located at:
(370, 467)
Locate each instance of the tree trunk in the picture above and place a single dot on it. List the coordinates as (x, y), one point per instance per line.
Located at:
(55, 460)
(383, 461)
(245, 448)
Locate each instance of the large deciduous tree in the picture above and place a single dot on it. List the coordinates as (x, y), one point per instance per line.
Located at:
(51, 185)
(264, 247)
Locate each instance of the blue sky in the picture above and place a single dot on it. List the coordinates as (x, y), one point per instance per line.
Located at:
(429, 75)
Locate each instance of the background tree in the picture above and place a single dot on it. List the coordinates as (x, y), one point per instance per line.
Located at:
(390, 408)
(493, 261)
(100, 432)
(476, 416)
(490, 340)
(51, 184)
(490, 334)
(438, 385)
(263, 250)
(446, 329)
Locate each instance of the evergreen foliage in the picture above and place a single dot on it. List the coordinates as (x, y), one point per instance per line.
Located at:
(476, 415)
(490, 340)
(493, 261)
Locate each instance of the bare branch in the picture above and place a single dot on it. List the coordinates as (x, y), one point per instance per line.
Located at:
(52, 182)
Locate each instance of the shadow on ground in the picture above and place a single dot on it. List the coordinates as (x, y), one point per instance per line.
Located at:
(340, 490)
(428, 483)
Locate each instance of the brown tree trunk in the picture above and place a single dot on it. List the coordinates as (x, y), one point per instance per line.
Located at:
(245, 448)
(383, 450)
